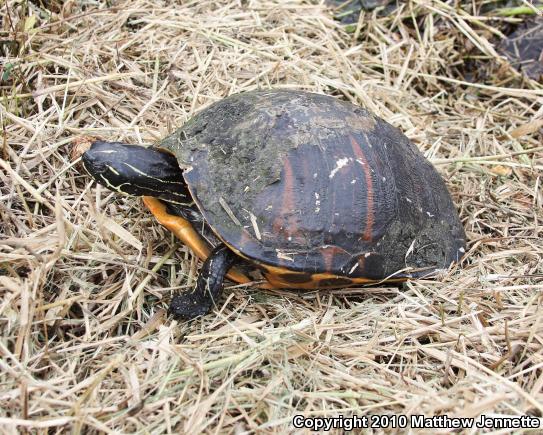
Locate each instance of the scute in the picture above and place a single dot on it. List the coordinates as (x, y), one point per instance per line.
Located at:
(309, 183)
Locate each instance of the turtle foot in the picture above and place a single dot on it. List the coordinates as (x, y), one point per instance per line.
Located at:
(188, 306)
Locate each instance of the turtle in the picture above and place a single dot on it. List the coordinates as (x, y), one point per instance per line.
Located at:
(303, 190)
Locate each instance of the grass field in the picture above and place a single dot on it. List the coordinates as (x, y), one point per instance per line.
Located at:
(86, 275)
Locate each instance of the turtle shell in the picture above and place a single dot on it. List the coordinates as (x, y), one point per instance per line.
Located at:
(312, 185)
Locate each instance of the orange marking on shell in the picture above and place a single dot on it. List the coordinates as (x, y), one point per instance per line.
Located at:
(328, 253)
(288, 225)
(275, 281)
(357, 150)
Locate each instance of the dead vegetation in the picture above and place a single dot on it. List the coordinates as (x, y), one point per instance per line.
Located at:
(85, 275)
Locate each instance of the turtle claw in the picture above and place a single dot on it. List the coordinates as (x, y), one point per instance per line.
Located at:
(209, 286)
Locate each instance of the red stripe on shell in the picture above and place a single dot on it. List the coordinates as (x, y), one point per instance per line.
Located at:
(280, 225)
(361, 157)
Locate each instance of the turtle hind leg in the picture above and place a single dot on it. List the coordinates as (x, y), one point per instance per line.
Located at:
(208, 286)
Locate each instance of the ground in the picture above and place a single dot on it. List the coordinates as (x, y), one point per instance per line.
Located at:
(86, 275)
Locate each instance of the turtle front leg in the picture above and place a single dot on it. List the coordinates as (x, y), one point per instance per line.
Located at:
(208, 287)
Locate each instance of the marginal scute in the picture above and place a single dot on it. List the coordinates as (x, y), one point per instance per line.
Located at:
(308, 183)
(334, 282)
(295, 277)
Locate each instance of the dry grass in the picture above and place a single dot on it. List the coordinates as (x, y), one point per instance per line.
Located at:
(85, 275)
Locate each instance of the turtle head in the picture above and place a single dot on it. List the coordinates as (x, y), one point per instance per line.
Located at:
(136, 170)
